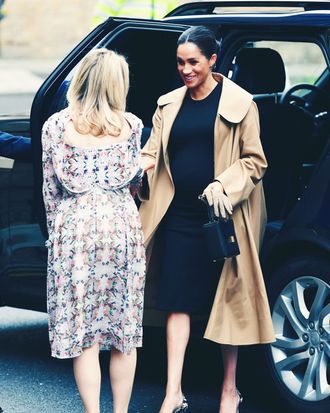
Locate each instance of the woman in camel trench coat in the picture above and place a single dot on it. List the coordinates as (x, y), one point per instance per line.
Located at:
(240, 313)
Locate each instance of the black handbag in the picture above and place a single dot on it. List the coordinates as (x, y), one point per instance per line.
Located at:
(219, 235)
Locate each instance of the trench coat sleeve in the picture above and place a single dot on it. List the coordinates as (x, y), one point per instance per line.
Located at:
(239, 179)
(51, 188)
(149, 152)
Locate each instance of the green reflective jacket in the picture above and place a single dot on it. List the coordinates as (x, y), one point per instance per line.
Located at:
(151, 9)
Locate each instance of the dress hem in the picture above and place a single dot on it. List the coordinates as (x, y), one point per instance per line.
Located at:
(241, 343)
(103, 347)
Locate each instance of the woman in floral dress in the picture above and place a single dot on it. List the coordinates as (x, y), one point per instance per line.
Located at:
(96, 257)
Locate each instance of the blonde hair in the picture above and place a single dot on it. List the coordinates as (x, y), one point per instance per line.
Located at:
(98, 91)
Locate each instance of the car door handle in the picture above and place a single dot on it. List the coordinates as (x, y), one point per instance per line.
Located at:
(6, 163)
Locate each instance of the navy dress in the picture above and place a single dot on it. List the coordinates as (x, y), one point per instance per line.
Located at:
(188, 277)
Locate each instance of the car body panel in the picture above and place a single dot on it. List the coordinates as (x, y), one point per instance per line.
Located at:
(279, 6)
(304, 19)
(305, 230)
(114, 27)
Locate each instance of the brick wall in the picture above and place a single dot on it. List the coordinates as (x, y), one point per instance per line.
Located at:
(44, 28)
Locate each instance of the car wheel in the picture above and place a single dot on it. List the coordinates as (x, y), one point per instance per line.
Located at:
(299, 360)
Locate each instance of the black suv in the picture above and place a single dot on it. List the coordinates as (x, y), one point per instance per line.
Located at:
(280, 52)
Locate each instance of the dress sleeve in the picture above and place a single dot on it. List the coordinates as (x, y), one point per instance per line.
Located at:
(243, 175)
(51, 189)
(136, 180)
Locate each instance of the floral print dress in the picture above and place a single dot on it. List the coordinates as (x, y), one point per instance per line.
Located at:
(96, 256)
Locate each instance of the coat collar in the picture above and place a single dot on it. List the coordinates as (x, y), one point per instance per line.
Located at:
(234, 101)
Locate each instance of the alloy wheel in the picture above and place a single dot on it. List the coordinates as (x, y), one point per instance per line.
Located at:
(301, 353)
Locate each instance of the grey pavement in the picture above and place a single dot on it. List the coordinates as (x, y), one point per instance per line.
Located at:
(16, 104)
(33, 382)
(24, 75)
(20, 79)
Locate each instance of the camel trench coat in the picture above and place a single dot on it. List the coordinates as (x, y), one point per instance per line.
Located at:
(240, 313)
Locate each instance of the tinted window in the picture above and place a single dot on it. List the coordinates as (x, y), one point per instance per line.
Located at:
(304, 62)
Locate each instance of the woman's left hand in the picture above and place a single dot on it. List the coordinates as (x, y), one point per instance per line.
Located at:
(215, 196)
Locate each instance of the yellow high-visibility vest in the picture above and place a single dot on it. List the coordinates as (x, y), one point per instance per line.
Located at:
(151, 9)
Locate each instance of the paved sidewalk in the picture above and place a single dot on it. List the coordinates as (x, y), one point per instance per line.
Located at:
(20, 79)
(23, 76)
(33, 382)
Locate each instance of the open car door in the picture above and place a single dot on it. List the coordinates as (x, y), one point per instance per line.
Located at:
(149, 47)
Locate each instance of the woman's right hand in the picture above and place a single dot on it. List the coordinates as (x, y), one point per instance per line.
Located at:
(147, 164)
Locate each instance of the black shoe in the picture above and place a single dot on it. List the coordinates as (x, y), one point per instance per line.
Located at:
(183, 406)
(240, 401)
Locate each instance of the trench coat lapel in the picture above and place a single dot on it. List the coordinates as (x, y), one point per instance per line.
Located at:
(233, 105)
(171, 105)
(234, 101)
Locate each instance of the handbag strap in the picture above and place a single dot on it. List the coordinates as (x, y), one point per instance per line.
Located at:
(210, 209)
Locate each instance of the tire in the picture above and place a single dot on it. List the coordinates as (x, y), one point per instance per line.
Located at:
(298, 364)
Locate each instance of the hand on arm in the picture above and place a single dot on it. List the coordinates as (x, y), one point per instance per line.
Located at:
(147, 164)
(149, 154)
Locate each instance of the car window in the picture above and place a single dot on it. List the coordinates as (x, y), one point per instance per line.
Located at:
(304, 62)
(144, 83)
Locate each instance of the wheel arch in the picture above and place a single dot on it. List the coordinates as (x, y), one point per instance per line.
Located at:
(289, 250)
(303, 259)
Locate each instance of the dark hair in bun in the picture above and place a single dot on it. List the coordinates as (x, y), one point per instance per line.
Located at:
(203, 38)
